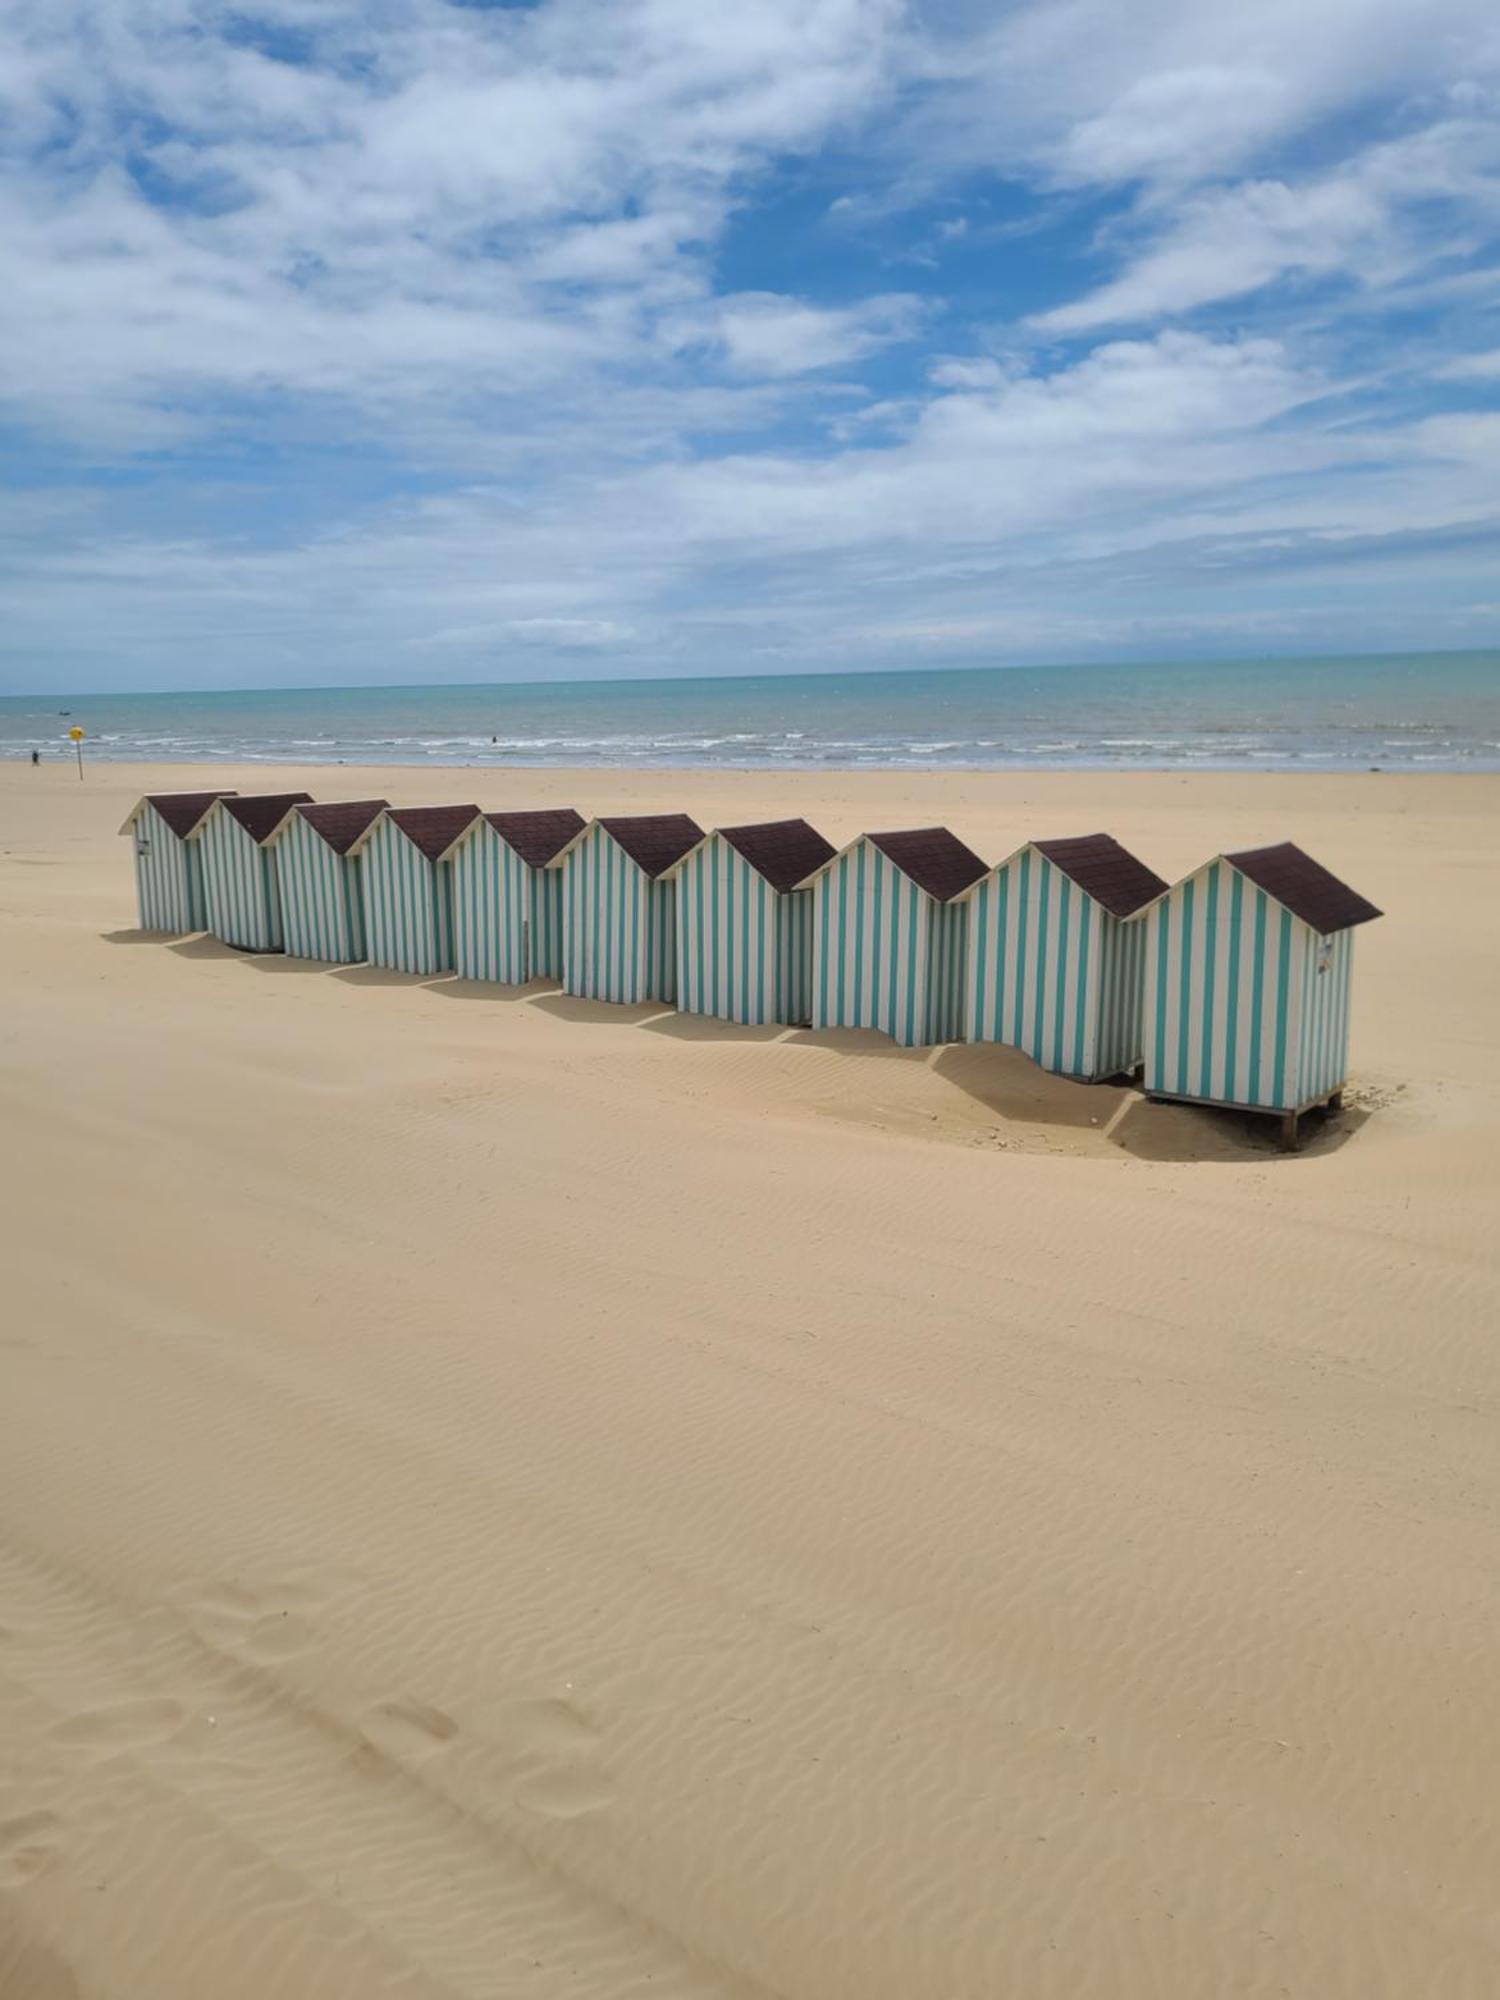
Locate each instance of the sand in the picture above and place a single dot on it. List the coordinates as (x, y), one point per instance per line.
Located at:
(501, 1496)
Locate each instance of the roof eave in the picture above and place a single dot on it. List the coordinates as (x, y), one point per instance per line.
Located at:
(582, 834)
(281, 826)
(848, 848)
(1026, 847)
(469, 832)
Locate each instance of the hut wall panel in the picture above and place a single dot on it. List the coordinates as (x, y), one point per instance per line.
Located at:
(727, 937)
(870, 943)
(164, 876)
(544, 936)
(354, 907)
(1323, 1058)
(662, 905)
(794, 957)
(407, 905)
(240, 905)
(1121, 962)
(1036, 942)
(947, 965)
(609, 913)
(491, 900)
(1223, 993)
(314, 897)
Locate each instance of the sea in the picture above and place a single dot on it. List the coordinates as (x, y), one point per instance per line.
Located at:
(1389, 712)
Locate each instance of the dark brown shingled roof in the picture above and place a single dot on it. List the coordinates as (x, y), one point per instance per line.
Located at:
(433, 828)
(343, 820)
(262, 811)
(1304, 887)
(654, 840)
(935, 859)
(538, 837)
(183, 810)
(785, 851)
(1104, 870)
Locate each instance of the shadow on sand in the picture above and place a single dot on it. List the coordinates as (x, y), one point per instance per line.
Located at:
(1010, 1087)
(481, 989)
(709, 1028)
(1202, 1133)
(600, 1013)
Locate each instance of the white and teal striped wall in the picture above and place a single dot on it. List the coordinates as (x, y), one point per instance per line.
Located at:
(1051, 972)
(885, 954)
(545, 933)
(491, 905)
(322, 906)
(1243, 1003)
(743, 948)
(619, 926)
(794, 957)
(168, 884)
(241, 896)
(408, 903)
(507, 915)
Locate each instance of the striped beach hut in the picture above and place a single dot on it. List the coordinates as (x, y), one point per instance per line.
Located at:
(241, 892)
(168, 872)
(507, 898)
(408, 886)
(322, 903)
(1248, 963)
(1054, 967)
(619, 915)
(744, 923)
(889, 932)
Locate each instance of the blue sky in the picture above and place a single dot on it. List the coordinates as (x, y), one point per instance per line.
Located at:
(411, 340)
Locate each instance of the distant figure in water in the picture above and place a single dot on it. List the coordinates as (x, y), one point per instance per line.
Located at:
(36, 757)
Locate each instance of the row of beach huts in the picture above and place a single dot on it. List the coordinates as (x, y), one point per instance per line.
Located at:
(1230, 987)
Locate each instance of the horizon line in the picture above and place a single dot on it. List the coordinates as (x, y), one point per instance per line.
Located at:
(790, 674)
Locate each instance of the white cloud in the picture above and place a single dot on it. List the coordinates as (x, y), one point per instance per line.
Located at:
(1472, 368)
(764, 335)
(1369, 221)
(440, 204)
(1175, 92)
(473, 250)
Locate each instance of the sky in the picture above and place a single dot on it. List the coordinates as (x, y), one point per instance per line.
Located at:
(430, 340)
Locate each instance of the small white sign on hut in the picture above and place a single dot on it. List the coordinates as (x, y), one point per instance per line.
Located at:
(1247, 976)
(168, 875)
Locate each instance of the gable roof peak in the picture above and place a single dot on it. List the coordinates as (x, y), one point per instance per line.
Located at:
(1103, 869)
(933, 857)
(784, 851)
(1304, 886)
(653, 841)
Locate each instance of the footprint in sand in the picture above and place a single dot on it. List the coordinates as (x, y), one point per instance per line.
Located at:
(546, 1724)
(264, 1625)
(127, 1725)
(553, 1736)
(407, 1729)
(565, 1794)
(28, 1843)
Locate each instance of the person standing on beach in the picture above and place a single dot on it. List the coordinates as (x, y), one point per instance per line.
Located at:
(36, 758)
